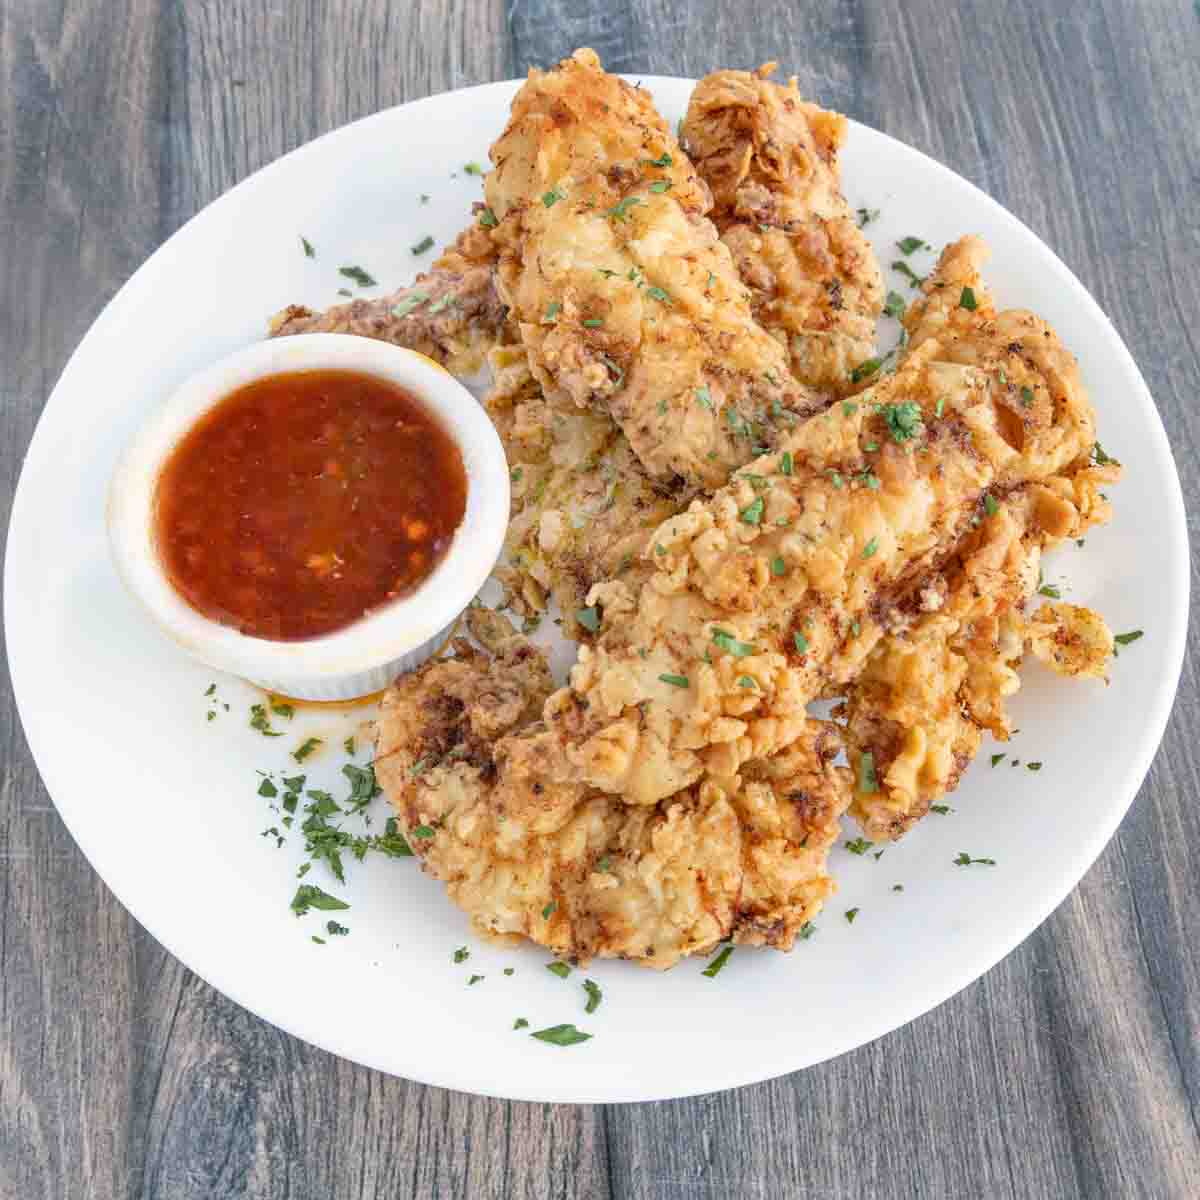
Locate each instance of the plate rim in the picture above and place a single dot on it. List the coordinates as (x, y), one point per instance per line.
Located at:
(951, 981)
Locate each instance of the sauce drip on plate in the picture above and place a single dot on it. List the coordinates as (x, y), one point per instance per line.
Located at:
(303, 501)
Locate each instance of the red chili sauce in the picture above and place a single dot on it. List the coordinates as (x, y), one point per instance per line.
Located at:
(303, 501)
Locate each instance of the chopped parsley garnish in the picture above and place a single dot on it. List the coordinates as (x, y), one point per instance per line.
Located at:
(423, 198)
(939, 407)
(461, 954)
(895, 305)
(594, 323)
(910, 245)
(212, 687)
(870, 548)
(941, 809)
(903, 421)
(283, 710)
(319, 940)
(866, 216)
(335, 930)
(474, 980)
(785, 462)
(902, 268)
(679, 681)
(559, 1035)
(657, 293)
(357, 275)
(268, 789)
(508, 970)
(392, 842)
(851, 913)
(1100, 458)
(867, 781)
(1124, 639)
(836, 479)
(997, 759)
(865, 369)
(859, 846)
(714, 968)
(897, 887)
(800, 642)
(473, 168)
(663, 160)
(363, 786)
(726, 641)
(620, 211)
(1049, 589)
(594, 996)
(990, 504)
(348, 745)
(661, 185)
(752, 514)
(487, 219)
(806, 931)
(965, 860)
(309, 252)
(1033, 766)
(552, 197)
(967, 300)
(549, 910)
(426, 243)
(746, 681)
(618, 373)
(410, 302)
(561, 969)
(308, 895)
(704, 397)
(552, 310)
(260, 721)
(778, 566)
(1026, 396)
(589, 618)
(424, 832)
(306, 748)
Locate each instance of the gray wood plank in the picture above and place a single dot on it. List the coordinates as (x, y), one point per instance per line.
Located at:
(1072, 1069)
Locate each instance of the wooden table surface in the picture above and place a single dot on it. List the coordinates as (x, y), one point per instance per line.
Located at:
(1071, 1069)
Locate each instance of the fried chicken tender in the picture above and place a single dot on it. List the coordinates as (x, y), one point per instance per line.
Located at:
(916, 714)
(625, 298)
(450, 314)
(770, 159)
(527, 852)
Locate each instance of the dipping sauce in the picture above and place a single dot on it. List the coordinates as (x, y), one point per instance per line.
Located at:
(302, 501)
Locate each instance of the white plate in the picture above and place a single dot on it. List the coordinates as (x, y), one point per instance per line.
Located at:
(163, 801)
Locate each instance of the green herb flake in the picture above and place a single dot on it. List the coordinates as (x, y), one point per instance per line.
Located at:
(424, 832)
(594, 996)
(903, 421)
(939, 407)
(306, 748)
(714, 968)
(308, 896)
(474, 980)
(657, 293)
(559, 1035)
(268, 789)
(487, 219)
(865, 369)
(426, 243)
(746, 681)
(309, 252)
(870, 548)
(1033, 766)
(752, 514)
(335, 930)
(552, 311)
(348, 745)
(965, 860)
(593, 322)
(561, 969)
(661, 185)
(461, 955)
(620, 211)
(549, 910)
(320, 941)
(1124, 639)
(679, 681)
(902, 268)
(997, 759)
(785, 462)
(357, 276)
(704, 398)
(897, 887)
(851, 913)
(990, 504)
(967, 300)
(910, 245)
(412, 301)
(589, 618)
(895, 305)
(552, 197)
(942, 810)
(778, 566)
(800, 642)
(726, 641)
(473, 168)
(859, 846)
(866, 216)
(867, 780)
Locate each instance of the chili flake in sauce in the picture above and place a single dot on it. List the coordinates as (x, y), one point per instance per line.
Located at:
(303, 501)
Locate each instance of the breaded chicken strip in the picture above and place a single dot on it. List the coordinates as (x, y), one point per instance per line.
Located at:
(770, 159)
(626, 300)
(529, 853)
(940, 676)
(450, 314)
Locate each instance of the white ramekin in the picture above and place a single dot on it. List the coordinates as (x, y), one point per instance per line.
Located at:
(365, 656)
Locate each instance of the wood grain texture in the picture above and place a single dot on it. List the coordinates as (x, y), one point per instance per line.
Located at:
(1071, 1069)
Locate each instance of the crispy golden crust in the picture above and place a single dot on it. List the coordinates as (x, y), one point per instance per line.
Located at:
(528, 852)
(626, 300)
(770, 160)
(451, 313)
